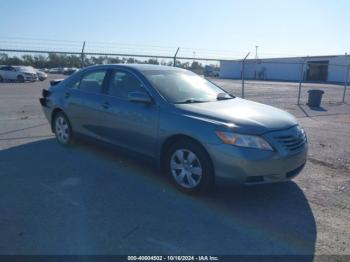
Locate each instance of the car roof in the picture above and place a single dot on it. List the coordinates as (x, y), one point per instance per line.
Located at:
(138, 67)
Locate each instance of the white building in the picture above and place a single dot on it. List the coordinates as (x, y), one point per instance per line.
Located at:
(331, 69)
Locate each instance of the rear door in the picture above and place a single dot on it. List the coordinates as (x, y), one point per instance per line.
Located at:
(14, 72)
(89, 120)
(73, 103)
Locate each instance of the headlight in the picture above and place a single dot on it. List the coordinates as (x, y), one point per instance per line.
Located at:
(244, 140)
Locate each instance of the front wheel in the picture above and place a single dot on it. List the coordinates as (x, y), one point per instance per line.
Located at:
(62, 129)
(190, 167)
(20, 79)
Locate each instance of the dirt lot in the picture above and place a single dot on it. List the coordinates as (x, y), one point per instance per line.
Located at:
(92, 200)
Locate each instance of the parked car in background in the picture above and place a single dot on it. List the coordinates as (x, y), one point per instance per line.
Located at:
(41, 74)
(56, 70)
(70, 71)
(18, 73)
(211, 71)
(196, 131)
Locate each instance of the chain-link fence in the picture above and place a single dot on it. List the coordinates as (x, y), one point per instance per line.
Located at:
(289, 80)
(283, 80)
(44, 53)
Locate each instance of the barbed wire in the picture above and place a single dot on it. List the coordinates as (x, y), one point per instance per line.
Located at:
(42, 45)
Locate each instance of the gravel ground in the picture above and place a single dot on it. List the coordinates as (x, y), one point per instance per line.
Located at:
(92, 200)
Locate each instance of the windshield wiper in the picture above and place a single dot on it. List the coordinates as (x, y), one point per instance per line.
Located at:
(190, 100)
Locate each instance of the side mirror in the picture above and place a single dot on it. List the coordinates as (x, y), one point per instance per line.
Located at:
(139, 97)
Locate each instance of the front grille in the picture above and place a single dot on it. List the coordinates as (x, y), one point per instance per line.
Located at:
(293, 142)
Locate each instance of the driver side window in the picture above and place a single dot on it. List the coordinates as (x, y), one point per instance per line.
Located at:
(121, 83)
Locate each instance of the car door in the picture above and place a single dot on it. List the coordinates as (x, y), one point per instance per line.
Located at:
(8, 72)
(13, 73)
(129, 124)
(73, 103)
(89, 121)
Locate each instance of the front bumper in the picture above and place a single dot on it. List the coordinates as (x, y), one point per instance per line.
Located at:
(239, 165)
(30, 77)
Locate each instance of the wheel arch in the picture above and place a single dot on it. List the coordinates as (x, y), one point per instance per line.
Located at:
(20, 76)
(53, 115)
(173, 139)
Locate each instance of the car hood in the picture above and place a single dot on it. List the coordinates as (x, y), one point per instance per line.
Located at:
(246, 116)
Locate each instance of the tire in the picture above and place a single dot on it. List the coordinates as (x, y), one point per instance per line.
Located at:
(190, 167)
(62, 129)
(20, 79)
(1, 79)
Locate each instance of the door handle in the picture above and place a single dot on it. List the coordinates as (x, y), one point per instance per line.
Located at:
(66, 95)
(106, 105)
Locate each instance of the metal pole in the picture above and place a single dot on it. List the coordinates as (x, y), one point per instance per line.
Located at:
(346, 82)
(301, 80)
(243, 62)
(175, 56)
(82, 55)
(256, 61)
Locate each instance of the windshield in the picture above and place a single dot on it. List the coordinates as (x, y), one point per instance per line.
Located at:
(26, 69)
(181, 86)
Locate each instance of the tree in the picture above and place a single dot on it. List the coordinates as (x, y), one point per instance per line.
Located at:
(130, 60)
(152, 61)
(3, 58)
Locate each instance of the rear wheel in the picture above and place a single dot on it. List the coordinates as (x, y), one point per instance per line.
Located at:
(190, 166)
(62, 129)
(1, 79)
(20, 79)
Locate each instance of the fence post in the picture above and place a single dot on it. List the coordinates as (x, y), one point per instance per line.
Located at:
(301, 80)
(243, 64)
(175, 56)
(82, 55)
(346, 82)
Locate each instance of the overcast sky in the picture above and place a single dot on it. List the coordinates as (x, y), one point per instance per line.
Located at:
(279, 28)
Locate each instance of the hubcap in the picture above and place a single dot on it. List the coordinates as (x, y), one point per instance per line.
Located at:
(62, 130)
(186, 168)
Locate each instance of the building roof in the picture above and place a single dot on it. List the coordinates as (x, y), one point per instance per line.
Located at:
(295, 57)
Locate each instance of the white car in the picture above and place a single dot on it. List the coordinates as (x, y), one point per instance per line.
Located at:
(41, 74)
(18, 73)
(56, 70)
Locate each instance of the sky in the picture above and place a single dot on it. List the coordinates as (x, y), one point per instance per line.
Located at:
(200, 28)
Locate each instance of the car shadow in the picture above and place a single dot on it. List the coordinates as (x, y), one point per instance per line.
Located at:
(89, 199)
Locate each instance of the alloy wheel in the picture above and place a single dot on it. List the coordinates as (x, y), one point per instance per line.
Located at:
(62, 130)
(186, 168)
